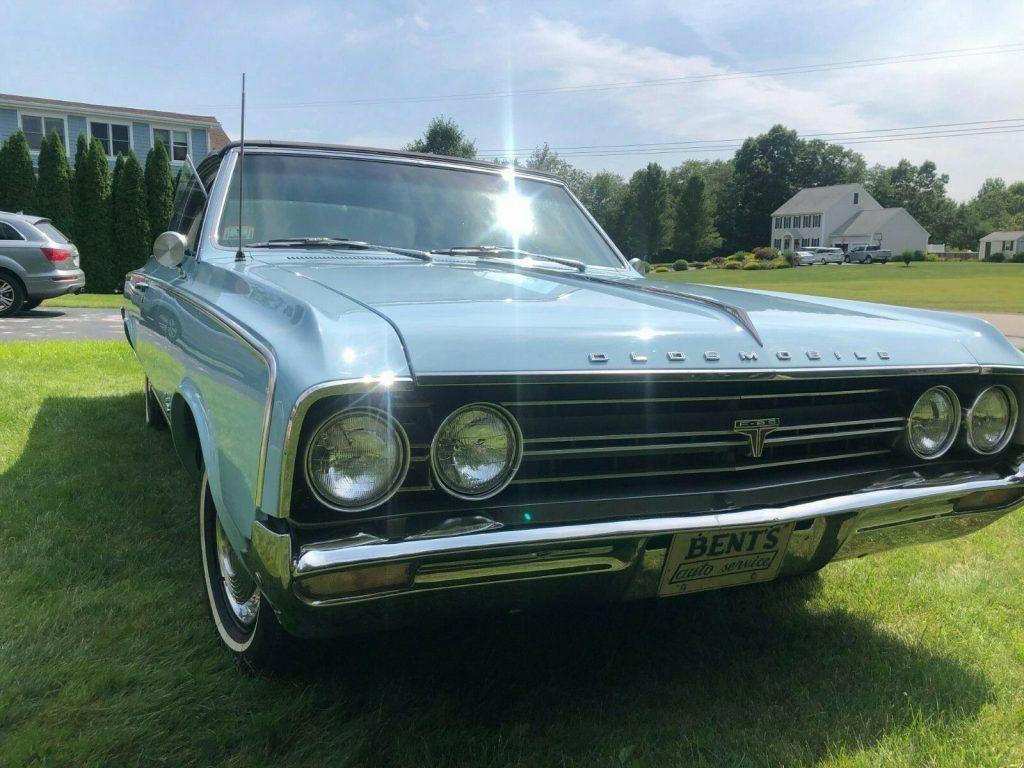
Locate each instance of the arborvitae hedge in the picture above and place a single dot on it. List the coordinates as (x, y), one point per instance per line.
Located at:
(131, 218)
(17, 178)
(93, 220)
(159, 189)
(53, 189)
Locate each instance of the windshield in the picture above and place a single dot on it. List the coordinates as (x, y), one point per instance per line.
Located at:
(407, 206)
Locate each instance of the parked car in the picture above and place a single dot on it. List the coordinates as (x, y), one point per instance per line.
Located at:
(822, 255)
(37, 262)
(409, 386)
(868, 254)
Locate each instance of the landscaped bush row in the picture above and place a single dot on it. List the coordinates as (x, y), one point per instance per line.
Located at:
(112, 217)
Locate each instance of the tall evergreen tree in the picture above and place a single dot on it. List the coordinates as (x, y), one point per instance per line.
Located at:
(115, 209)
(694, 234)
(53, 189)
(159, 189)
(81, 153)
(19, 178)
(131, 218)
(647, 209)
(92, 217)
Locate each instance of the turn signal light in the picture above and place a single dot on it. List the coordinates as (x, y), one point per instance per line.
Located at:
(56, 254)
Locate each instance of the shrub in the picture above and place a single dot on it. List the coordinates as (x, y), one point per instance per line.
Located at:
(702, 265)
(779, 263)
(53, 190)
(996, 258)
(753, 265)
(680, 265)
(1018, 257)
(789, 257)
(733, 265)
(661, 268)
(159, 189)
(131, 218)
(93, 228)
(766, 254)
(716, 261)
(17, 178)
(932, 257)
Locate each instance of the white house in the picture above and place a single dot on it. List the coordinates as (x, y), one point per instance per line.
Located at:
(841, 216)
(1008, 243)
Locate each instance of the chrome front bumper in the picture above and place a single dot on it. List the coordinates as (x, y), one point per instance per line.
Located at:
(365, 582)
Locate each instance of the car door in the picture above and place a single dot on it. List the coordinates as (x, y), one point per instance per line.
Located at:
(158, 322)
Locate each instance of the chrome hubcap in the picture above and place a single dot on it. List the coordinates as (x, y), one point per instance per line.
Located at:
(240, 591)
(6, 295)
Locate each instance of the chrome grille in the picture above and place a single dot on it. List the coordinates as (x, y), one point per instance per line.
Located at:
(604, 438)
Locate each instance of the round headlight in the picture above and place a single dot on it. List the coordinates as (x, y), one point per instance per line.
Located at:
(933, 423)
(991, 420)
(357, 459)
(476, 451)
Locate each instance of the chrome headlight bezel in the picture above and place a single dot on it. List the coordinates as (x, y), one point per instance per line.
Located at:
(508, 473)
(954, 431)
(1011, 427)
(332, 502)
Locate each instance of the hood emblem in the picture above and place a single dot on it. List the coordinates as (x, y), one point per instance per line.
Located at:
(756, 431)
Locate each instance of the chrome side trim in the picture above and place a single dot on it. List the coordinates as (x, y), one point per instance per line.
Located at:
(247, 337)
(302, 405)
(898, 501)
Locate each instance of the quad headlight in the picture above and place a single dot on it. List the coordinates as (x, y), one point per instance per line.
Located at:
(991, 419)
(476, 451)
(934, 422)
(357, 459)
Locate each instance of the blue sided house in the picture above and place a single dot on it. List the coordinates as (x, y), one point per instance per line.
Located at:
(118, 129)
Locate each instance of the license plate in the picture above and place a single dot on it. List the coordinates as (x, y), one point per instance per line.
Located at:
(724, 557)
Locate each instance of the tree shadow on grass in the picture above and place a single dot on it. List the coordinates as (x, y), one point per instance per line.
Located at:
(98, 509)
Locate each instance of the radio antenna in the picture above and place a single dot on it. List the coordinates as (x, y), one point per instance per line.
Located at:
(240, 255)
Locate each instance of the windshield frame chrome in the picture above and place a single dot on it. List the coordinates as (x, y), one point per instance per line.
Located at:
(222, 185)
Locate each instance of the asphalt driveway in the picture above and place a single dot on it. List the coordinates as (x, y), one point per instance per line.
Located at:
(63, 323)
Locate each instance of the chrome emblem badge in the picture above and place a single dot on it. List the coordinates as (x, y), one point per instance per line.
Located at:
(755, 430)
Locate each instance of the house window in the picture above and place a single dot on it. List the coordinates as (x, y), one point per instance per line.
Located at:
(816, 220)
(1007, 245)
(176, 142)
(115, 138)
(815, 241)
(856, 198)
(787, 221)
(778, 243)
(807, 220)
(37, 126)
(778, 222)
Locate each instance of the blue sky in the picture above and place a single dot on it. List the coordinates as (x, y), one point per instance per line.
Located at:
(304, 58)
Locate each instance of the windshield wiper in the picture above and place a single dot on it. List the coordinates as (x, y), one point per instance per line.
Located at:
(498, 250)
(339, 242)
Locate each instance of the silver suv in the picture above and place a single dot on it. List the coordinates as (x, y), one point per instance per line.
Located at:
(36, 262)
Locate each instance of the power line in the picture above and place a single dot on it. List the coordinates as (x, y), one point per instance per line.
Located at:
(853, 134)
(909, 58)
(995, 130)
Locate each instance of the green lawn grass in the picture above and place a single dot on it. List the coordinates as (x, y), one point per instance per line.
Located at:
(107, 657)
(967, 286)
(104, 300)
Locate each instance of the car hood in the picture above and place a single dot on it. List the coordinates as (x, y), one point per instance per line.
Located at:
(472, 318)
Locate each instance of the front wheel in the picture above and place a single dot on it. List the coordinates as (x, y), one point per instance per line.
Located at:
(12, 296)
(869, 260)
(245, 622)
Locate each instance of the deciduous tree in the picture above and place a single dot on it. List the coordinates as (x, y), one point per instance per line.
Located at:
(648, 226)
(444, 137)
(694, 233)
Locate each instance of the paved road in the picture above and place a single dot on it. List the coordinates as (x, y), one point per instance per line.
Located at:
(63, 324)
(57, 323)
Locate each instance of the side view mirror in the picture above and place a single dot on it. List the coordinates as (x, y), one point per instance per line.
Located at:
(639, 265)
(169, 249)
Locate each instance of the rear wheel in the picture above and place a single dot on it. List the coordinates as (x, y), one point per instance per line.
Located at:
(822, 262)
(12, 295)
(245, 622)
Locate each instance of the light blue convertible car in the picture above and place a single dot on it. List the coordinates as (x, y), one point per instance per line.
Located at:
(412, 386)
